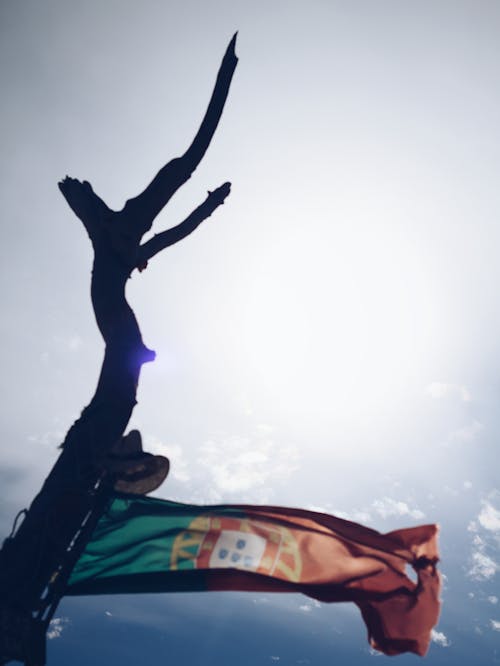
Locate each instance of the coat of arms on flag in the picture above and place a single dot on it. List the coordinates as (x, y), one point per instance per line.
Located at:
(238, 543)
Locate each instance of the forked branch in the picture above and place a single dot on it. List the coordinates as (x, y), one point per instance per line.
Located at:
(162, 240)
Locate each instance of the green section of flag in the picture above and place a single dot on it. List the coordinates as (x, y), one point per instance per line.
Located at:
(142, 536)
(132, 537)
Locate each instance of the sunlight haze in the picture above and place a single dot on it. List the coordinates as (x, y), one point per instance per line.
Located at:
(328, 339)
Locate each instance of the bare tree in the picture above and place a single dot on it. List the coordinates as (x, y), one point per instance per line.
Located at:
(35, 561)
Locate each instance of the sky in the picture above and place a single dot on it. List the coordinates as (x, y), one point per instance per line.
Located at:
(328, 339)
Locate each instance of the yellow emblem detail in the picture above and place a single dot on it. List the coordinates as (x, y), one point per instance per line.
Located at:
(247, 544)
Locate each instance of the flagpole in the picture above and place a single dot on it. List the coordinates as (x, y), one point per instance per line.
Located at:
(23, 632)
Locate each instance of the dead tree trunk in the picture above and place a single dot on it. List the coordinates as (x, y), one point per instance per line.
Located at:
(95, 455)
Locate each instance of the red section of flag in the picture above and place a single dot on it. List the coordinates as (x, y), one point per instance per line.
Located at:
(330, 559)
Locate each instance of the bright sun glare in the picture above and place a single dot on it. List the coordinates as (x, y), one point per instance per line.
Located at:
(337, 331)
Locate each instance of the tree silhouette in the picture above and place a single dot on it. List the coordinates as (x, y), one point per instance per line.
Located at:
(35, 561)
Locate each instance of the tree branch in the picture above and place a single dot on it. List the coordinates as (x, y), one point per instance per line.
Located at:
(201, 141)
(140, 212)
(162, 240)
(85, 203)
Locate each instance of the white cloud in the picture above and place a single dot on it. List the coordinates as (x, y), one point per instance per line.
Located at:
(495, 625)
(483, 567)
(318, 509)
(384, 507)
(274, 658)
(493, 599)
(56, 627)
(467, 485)
(489, 517)
(50, 438)
(478, 541)
(387, 506)
(439, 390)
(486, 538)
(361, 517)
(439, 638)
(178, 463)
(356, 515)
(467, 433)
(309, 606)
(240, 464)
